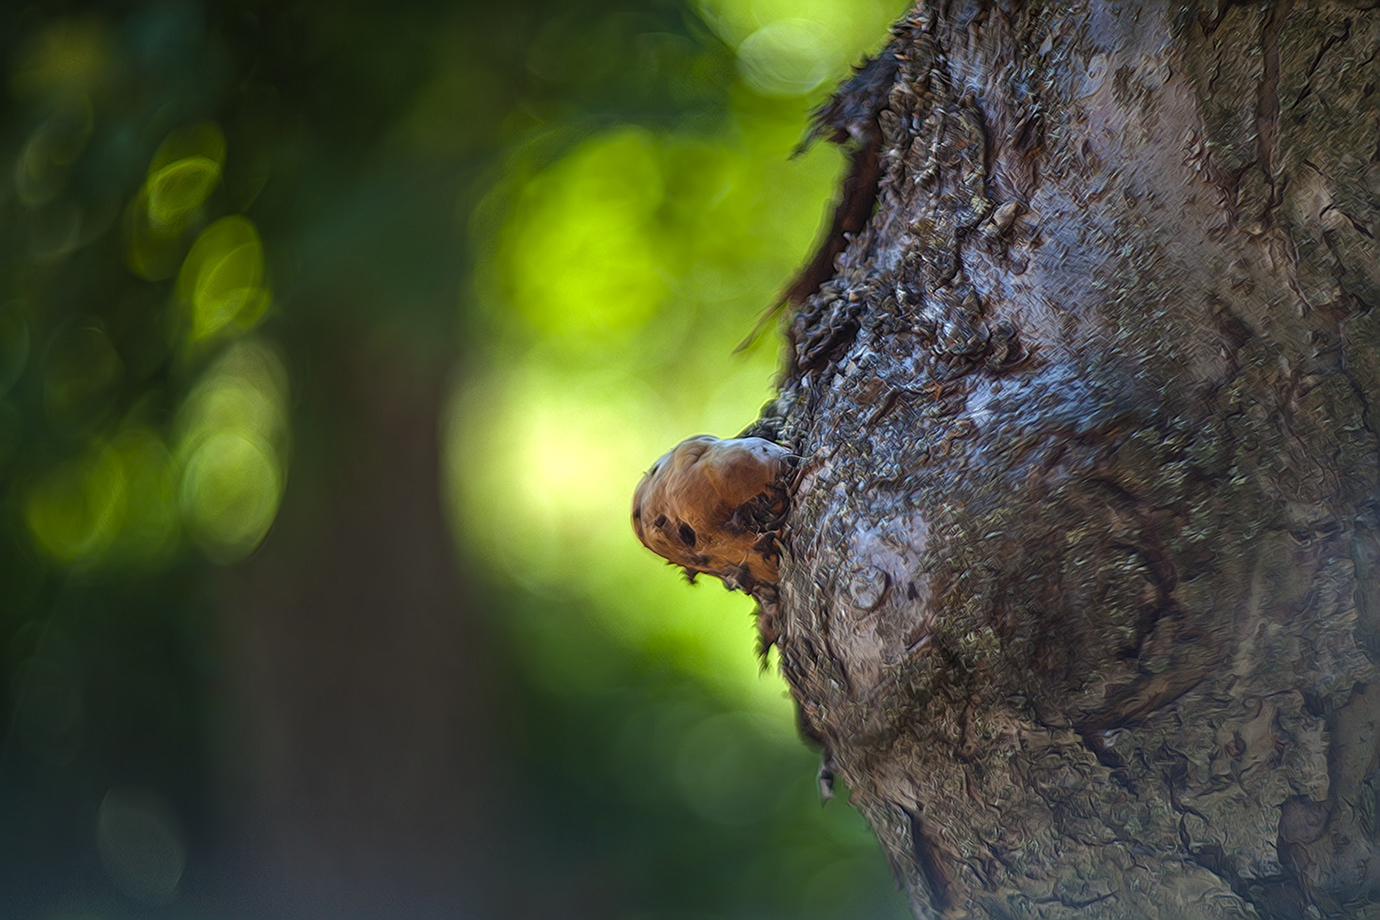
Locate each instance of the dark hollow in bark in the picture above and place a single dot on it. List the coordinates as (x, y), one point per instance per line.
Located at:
(1079, 582)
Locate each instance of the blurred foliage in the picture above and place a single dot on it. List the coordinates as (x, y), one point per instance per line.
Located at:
(204, 199)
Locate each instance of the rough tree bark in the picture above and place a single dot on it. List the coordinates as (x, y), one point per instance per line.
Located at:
(1079, 579)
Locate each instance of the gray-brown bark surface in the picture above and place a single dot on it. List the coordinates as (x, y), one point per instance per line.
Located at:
(1079, 583)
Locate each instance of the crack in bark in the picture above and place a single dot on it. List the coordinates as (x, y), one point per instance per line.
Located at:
(1267, 102)
(928, 862)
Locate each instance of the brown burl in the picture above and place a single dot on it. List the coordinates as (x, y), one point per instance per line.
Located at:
(713, 506)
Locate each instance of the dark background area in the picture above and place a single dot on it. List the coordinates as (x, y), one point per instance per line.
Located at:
(333, 339)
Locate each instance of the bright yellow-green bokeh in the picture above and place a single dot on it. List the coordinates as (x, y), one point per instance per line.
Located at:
(222, 280)
(203, 139)
(184, 171)
(179, 188)
(625, 275)
(232, 451)
(581, 248)
(545, 466)
(127, 499)
(231, 486)
(113, 504)
(790, 47)
(76, 510)
(150, 529)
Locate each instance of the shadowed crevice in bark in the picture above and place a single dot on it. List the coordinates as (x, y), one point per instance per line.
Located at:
(928, 861)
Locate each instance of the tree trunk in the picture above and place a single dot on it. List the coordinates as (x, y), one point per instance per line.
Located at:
(365, 689)
(1078, 583)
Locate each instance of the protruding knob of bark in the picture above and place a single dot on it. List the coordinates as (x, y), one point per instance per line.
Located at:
(713, 506)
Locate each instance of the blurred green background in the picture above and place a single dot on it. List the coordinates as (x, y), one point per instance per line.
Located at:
(333, 340)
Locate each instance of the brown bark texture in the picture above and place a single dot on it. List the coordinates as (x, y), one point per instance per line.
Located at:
(1079, 579)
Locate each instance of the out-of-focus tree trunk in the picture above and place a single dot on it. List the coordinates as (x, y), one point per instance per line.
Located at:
(363, 682)
(1079, 589)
